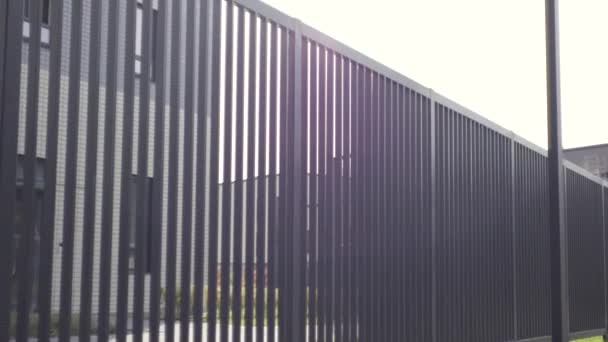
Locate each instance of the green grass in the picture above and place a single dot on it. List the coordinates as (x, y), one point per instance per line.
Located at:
(590, 339)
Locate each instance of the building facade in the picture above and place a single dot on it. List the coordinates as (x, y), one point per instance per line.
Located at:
(592, 158)
(150, 180)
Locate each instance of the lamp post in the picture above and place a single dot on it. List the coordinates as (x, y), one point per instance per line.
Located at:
(558, 235)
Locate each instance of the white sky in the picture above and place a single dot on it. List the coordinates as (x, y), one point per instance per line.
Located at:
(487, 55)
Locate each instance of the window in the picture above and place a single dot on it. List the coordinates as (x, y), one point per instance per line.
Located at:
(46, 19)
(147, 217)
(39, 185)
(139, 18)
(46, 10)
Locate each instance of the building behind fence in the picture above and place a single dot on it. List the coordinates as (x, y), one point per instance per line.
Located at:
(398, 215)
(593, 158)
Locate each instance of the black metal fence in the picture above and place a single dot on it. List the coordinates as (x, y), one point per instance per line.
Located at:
(398, 214)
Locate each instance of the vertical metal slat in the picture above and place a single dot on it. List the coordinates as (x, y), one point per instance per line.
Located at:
(239, 183)
(201, 169)
(122, 306)
(260, 227)
(298, 106)
(47, 232)
(227, 179)
(103, 325)
(251, 180)
(157, 185)
(10, 88)
(337, 231)
(214, 171)
(322, 222)
(69, 209)
(141, 207)
(273, 225)
(312, 198)
(188, 146)
(90, 176)
(174, 113)
(330, 228)
(141, 222)
(283, 189)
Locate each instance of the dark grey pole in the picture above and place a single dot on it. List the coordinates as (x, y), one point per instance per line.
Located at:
(559, 291)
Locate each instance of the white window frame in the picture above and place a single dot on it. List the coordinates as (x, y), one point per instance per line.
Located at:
(45, 33)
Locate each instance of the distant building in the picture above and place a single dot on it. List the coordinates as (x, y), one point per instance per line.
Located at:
(593, 158)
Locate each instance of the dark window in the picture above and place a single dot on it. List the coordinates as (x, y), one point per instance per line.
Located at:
(153, 46)
(147, 221)
(139, 38)
(20, 214)
(26, 9)
(46, 10)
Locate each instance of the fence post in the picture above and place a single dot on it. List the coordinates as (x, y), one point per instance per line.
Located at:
(558, 233)
(11, 21)
(3, 18)
(603, 208)
(513, 237)
(5, 267)
(298, 205)
(433, 220)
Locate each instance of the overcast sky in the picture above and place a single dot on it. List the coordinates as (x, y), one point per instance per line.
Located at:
(488, 55)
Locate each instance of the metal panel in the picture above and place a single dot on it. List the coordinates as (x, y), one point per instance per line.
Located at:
(473, 215)
(531, 245)
(584, 219)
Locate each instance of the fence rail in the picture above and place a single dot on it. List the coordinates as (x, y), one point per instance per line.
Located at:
(217, 170)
